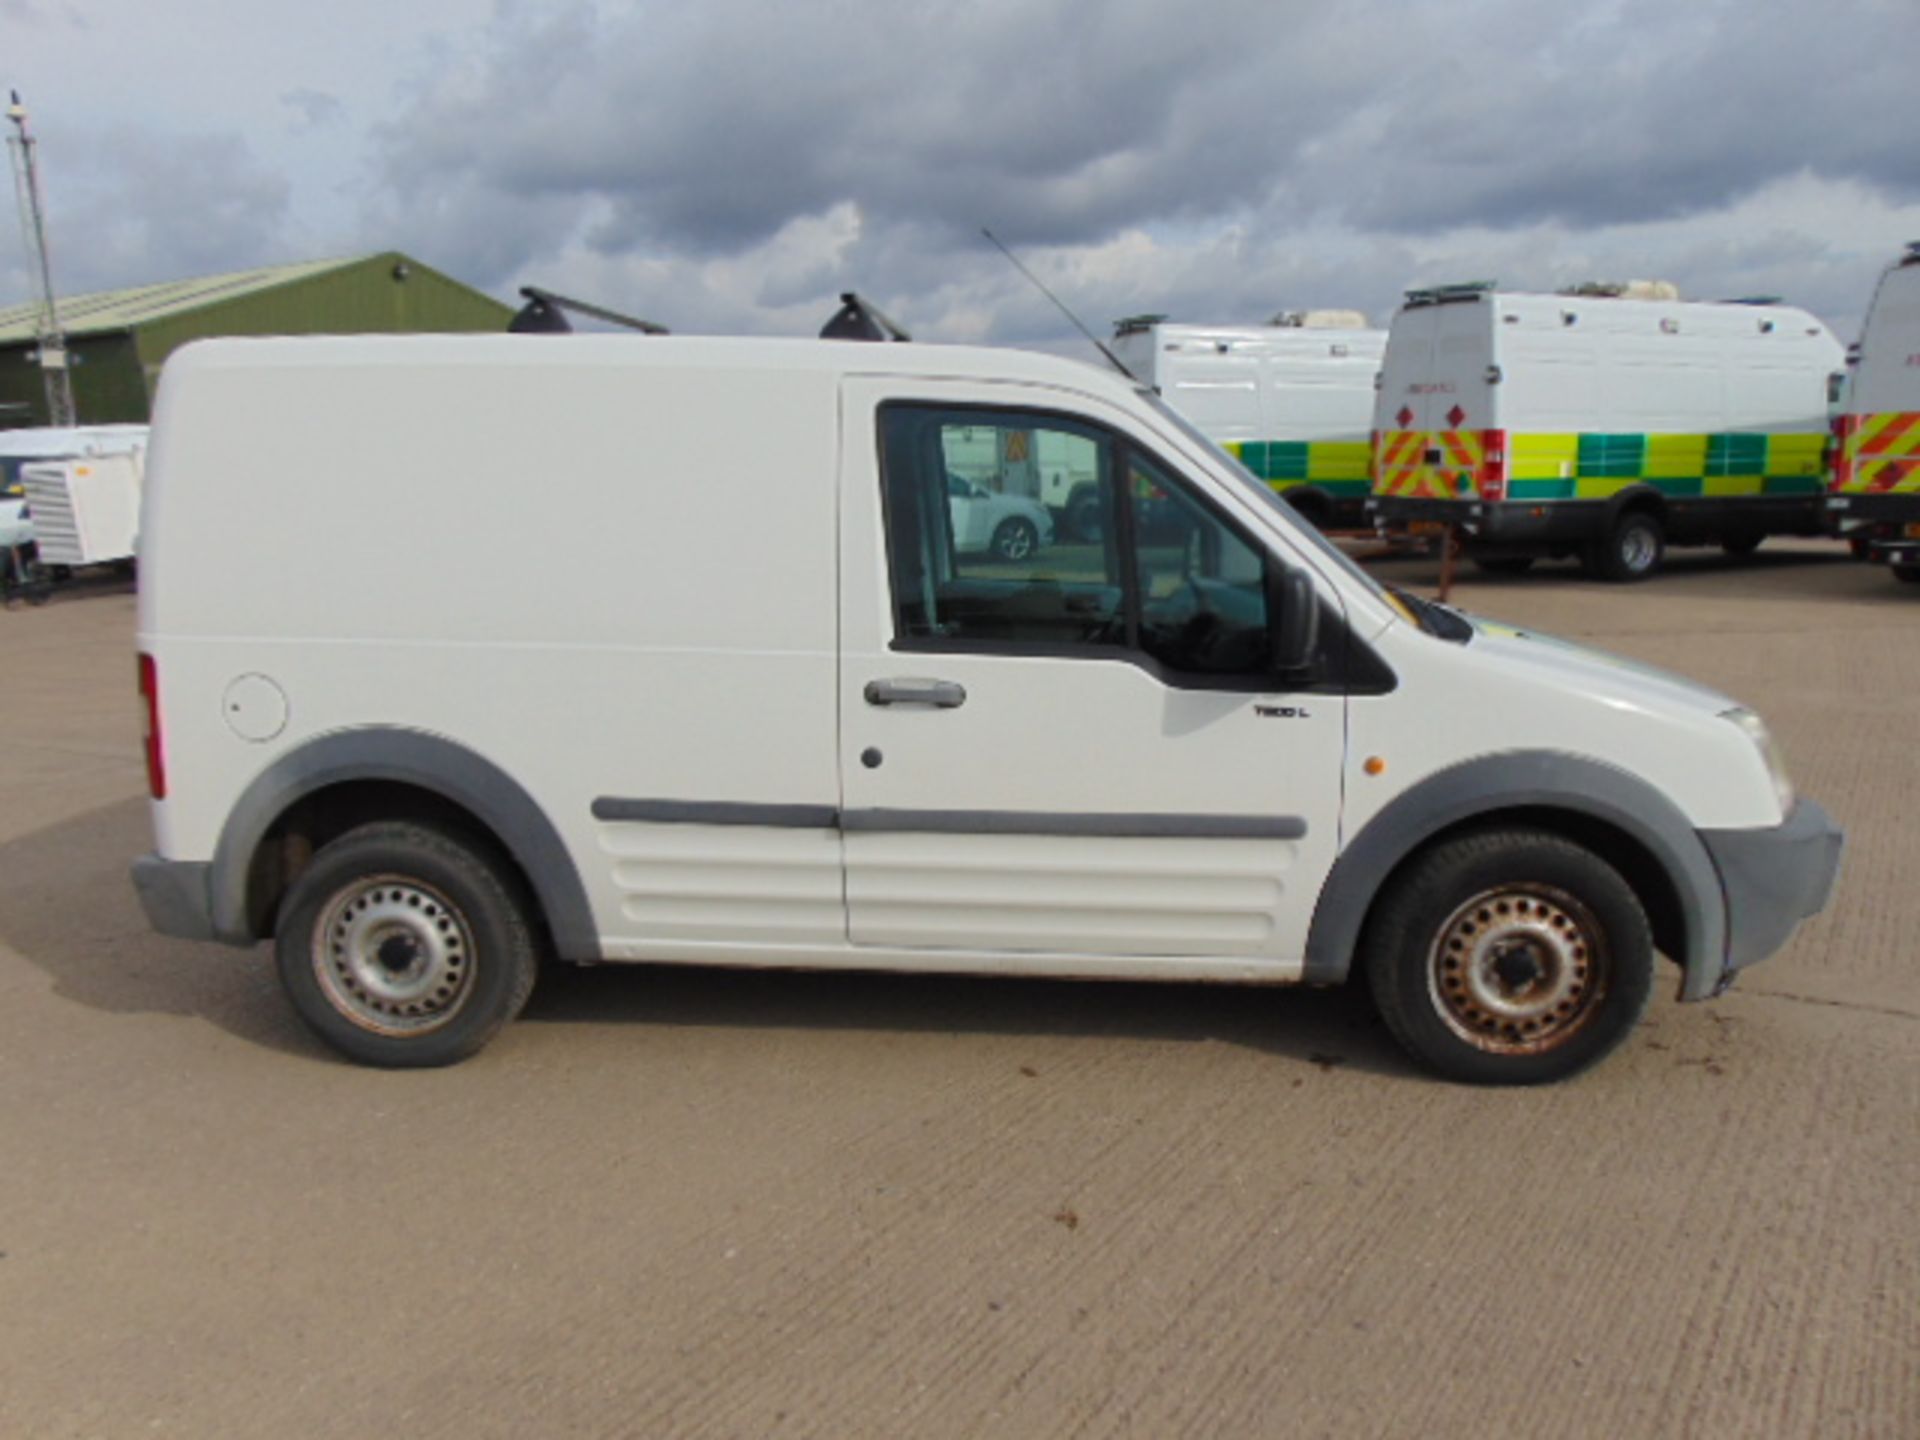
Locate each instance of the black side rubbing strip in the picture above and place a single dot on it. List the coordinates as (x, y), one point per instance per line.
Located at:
(716, 812)
(1029, 822)
(953, 822)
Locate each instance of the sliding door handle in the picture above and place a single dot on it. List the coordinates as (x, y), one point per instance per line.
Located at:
(942, 694)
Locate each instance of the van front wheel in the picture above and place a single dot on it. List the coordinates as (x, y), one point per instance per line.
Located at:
(401, 946)
(1511, 957)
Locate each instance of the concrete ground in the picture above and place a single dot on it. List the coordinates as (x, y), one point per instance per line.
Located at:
(701, 1203)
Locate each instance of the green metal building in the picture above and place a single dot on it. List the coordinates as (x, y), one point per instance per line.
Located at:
(116, 340)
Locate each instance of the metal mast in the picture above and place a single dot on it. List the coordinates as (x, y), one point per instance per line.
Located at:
(33, 229)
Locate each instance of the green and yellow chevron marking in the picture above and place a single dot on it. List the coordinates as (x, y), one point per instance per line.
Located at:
(1594, 466)
(1339, 467)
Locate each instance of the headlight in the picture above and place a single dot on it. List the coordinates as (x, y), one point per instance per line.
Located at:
(1776, 763)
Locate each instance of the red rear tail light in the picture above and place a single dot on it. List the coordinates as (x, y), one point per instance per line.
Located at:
(150, 728)
(1493, 465)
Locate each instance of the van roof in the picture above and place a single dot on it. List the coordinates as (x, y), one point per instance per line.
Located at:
(1496, 309)
(844, 357)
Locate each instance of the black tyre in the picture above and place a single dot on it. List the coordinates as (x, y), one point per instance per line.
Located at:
(1739, 546)
(1908, 573)
(1632, 550)
(1511, 957)
(1503, 564)
(402, 946)
(1083, 516)
(1015, 539)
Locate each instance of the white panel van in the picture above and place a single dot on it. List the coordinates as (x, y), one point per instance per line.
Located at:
(1876, 450)
(763, 710)
(1601, 425)
(1291, 401)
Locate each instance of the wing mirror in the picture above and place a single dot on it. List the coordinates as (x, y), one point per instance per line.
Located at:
(1293, 621)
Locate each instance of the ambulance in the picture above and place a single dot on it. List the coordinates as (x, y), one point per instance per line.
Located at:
(1876, 435)
(1291, 400)
(1607, 422)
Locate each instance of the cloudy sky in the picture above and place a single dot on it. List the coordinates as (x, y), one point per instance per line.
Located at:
(730, 165)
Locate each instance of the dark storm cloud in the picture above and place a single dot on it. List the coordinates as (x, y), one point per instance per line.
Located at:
(706, 128)
(711, 126)
(729, 165)
(316, 108)
(1662, 111)
(33, 12)
(135, 206)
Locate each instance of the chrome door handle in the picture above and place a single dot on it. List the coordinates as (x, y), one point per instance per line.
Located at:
(942, 694)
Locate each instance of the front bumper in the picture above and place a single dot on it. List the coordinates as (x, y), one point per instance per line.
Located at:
(1772, 880)
(175, 896)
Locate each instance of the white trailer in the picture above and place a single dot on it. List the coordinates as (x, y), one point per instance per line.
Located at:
(1605, 422)
(85, 512)
(19, 448)
(1292, 400)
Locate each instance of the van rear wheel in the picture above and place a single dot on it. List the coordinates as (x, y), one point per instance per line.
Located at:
(1511, 957)
(401, 946)
(1632, 550)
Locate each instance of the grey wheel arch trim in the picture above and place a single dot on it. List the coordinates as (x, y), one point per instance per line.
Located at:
(410, 757)
(1530, 779)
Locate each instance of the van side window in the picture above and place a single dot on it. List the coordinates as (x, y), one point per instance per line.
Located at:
(1203, 599)
(979, 537)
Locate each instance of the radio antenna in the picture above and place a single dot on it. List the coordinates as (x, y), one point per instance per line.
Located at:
(1014, 260)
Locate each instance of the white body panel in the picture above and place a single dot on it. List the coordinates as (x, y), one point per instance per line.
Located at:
(1065, 737)
(1887, 375)
(1570, 364)
(687, 603)
(1261, 382)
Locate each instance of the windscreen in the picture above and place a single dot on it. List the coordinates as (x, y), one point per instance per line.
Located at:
(1268, 497)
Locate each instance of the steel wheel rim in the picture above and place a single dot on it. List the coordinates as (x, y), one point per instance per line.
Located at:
(393, 955)
(1519, 970)
(1636, 547)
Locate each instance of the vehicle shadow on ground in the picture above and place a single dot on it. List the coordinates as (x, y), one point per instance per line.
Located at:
(1326, 1028)
(68, 908)
(85, 585)
(1807, 570)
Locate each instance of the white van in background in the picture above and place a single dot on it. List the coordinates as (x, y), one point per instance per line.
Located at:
(1876, 450)
(780, 717)
(1606, 422)
(1292, 401)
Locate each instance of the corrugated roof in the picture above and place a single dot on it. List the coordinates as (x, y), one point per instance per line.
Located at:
(111, 310)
